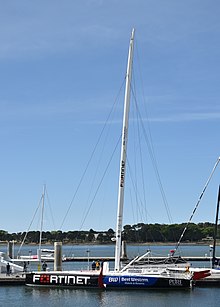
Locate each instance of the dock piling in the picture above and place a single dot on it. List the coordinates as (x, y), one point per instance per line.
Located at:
(57, 256)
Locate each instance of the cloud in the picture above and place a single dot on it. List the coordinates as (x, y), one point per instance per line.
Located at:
(49, 27)
(188, 117)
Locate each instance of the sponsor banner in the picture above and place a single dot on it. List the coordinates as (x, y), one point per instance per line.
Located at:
(127, 281)
(63, 279)
(141, 282)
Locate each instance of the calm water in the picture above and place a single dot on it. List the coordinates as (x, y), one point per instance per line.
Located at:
(27, 296)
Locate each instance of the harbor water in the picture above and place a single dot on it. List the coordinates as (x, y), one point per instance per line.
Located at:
(31, 296)
(26, 296)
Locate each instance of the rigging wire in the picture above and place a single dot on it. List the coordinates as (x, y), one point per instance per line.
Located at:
(92, 155)
(197, 204)
(22, 243)
(136, 192)
(93, 180)
(51, 212)
(100, 183)
(139, 163)
(154, 162)
(148, 137)
(144, 105)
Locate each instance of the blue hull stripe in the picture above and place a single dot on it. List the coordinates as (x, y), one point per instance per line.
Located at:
(129, 281)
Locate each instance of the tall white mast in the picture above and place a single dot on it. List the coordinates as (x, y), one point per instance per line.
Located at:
(123, 155)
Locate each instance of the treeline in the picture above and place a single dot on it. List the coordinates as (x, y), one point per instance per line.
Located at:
(138, 233)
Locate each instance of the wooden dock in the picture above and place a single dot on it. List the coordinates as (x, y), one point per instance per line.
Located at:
(82, 259)
(12, 279)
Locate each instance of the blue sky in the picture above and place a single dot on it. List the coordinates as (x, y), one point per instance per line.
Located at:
(61, 66)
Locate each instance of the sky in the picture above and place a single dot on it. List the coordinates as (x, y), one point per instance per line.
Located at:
(62, 64)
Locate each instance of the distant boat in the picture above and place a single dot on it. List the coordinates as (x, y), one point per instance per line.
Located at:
(46, 255)
(42, 253)
(129, 277)
(215, 260)
(214, 278)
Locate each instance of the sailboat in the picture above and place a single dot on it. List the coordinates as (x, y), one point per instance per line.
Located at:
(215, 260)
(42, 254)
(127, 277)
(214, 278)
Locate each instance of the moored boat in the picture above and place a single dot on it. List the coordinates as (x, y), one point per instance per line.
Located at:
(73, 279)
(127, 277)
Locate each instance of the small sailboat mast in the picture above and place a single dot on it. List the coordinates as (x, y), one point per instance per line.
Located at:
(41, 226)
(214, 260)
(123, 154)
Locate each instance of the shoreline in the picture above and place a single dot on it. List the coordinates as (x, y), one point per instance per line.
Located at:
(2, 243)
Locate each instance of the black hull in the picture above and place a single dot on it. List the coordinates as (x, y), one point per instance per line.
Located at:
(62, 280)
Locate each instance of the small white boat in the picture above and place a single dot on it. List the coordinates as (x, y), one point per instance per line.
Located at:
(46, 255)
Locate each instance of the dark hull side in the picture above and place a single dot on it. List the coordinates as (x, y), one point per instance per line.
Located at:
(62, 280)
(96, 281)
